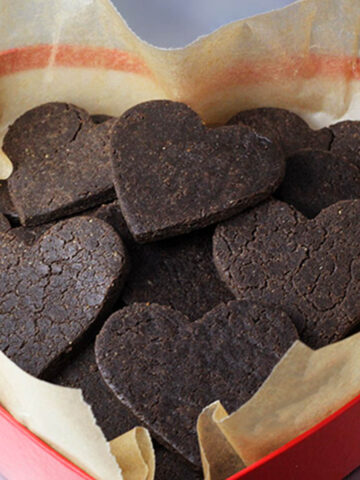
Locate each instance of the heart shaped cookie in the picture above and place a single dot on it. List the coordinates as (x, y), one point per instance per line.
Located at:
(62, 163)
(166, 369)
(316, 179)
(284, 127)
(52, 292)
(172, 174)
(309, 268)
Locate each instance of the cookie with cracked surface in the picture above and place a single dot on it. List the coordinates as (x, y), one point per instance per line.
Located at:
(113, 418)
(309, 268)
(225, 355)
(172, 174)
(316, 179)
(52, 292)
(284, 127)
(62, 163)
(346, 140)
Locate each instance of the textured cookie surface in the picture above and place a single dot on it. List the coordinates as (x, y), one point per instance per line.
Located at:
(309, 268)
(316, 179)
(6, 205)
(172, 174)
(346, 140)
(177, 272)
(53, 291)
(82, 372)
(111, 415)
(284, 127)
(62, 163)
(166, 369)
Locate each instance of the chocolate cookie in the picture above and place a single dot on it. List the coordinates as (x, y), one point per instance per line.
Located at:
(284, 127)
(316, 179)
(6, 205)
(62, 163)
(346, 140)
(111, 213)
(113, 418)
(166, 369)
(309, 268)
(177, 272)
(52, 292)
(172, 174)
(4, 224)
(170, 466)
(82, 372)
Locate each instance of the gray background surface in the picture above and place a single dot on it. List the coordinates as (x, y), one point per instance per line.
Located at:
(174, 23)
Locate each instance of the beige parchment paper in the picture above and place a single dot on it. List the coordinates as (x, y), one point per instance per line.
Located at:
(304, 58)
(61, 418)
(304, 388)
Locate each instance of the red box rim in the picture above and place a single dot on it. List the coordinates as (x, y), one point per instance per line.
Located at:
(84, 476)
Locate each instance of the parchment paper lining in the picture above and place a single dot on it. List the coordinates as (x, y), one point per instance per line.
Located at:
(304, 58)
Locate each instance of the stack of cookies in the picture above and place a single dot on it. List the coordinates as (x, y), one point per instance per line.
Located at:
(160, 264)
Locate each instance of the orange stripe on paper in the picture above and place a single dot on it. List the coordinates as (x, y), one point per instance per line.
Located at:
(242, 72)
(290, 68)
(37, 57)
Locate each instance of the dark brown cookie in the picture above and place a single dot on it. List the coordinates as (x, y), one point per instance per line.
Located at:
(82, 372)
(170, 466)
(316, 179)
(285, 127)
(346, 140)
(309, 268)
(111, 213)
(62, 163)
(6, 205)
(177, 272)
(166, 369)
(113, 418)
(172, 174)
(4, 224)
(52, 292)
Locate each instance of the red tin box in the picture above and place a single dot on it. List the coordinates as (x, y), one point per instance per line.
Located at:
(328, 451)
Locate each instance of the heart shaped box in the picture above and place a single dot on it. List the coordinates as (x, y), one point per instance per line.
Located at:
(331, 449)
(328, 451)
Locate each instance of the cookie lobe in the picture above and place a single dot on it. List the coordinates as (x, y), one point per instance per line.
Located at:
(62, 163)
(309, 268)
(172, 174)
(316, 179)
(286, 128)
(166, 369)
(53, 291)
